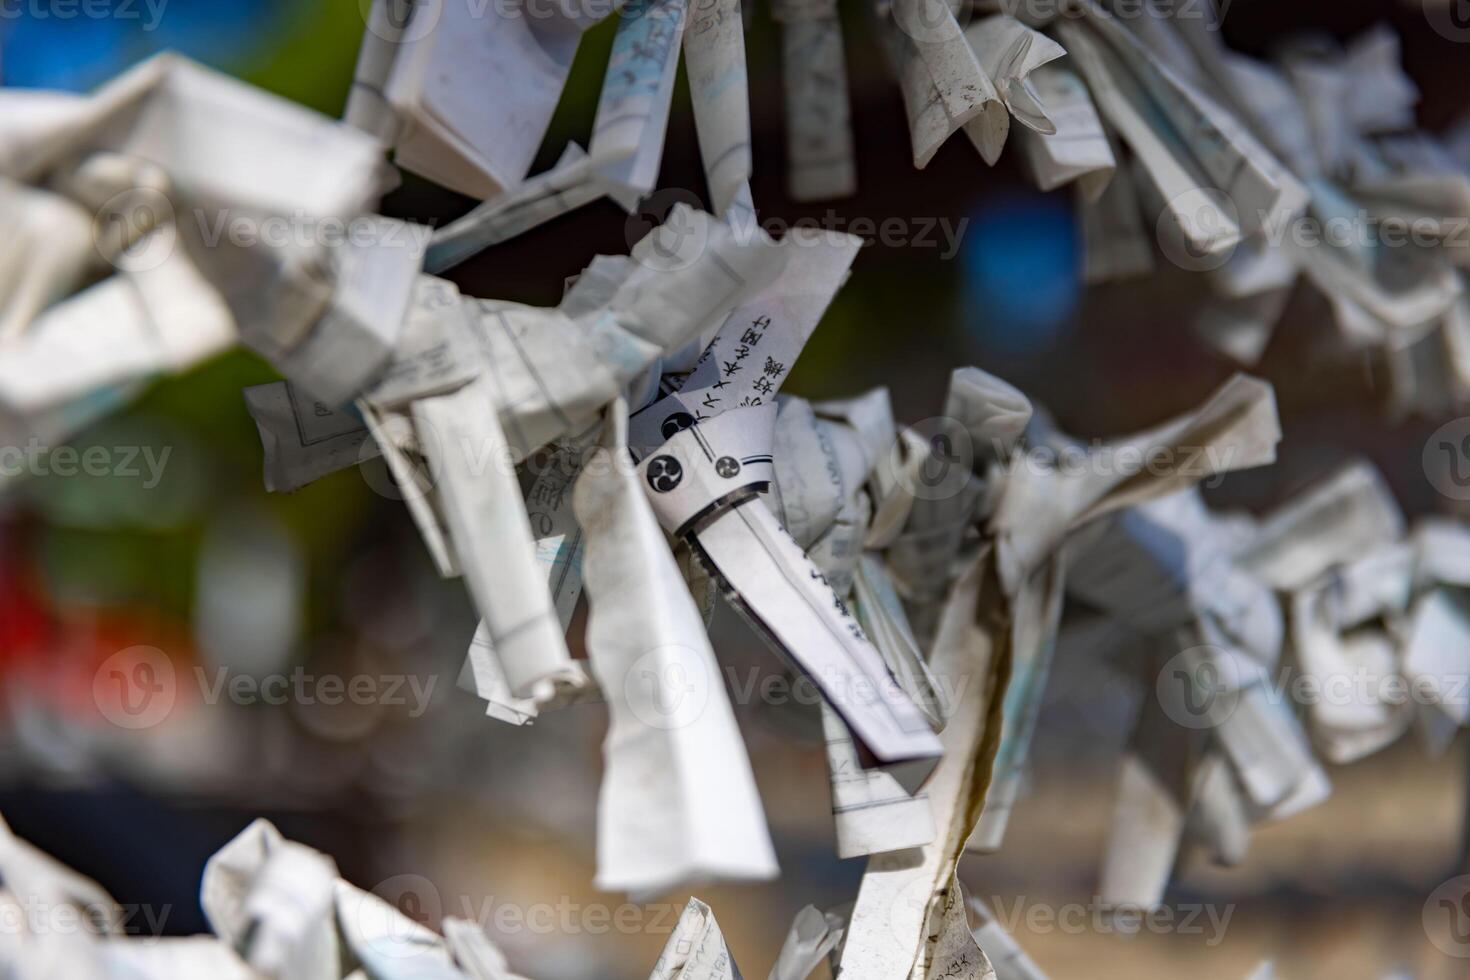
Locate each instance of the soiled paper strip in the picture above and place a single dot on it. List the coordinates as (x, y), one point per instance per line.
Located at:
(945, 89)
(1038, 615)
(678, 799)
(903, 924)
(987, 417)
(1009, 52)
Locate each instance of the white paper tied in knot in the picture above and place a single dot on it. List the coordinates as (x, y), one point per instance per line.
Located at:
(707, 465)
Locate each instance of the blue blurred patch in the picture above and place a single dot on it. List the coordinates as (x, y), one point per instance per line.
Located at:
(78, 44)
(1021, 281)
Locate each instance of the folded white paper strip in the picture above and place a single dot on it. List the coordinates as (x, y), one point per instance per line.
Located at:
(408, 91)
(678, 799)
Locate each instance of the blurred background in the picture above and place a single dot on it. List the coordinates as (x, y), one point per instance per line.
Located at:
(428, 801)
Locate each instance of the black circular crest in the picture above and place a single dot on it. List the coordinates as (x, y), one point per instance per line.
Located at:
(676, 423)
(664, 473)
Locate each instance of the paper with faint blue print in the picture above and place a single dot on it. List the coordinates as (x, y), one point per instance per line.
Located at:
(714, 57)
(633, 111)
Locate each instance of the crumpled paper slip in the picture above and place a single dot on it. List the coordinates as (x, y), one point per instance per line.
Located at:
(542, 377)
(432, 118)
(212, 212)
(278, 910)
(284, 908)
(996, 634)
(1376, 625)
(1236, 441)
(271, 901)
(1237, 428)
(1262, 174)
(486, 149)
